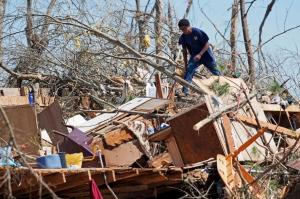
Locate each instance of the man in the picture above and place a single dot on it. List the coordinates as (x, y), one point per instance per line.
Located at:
(196, 42)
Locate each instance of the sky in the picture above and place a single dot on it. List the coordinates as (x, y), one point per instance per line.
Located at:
(285, 13)
(219, 11)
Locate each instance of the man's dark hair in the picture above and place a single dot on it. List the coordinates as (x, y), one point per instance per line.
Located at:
(183, 22)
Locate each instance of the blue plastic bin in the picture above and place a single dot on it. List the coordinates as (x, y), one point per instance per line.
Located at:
(49, 162)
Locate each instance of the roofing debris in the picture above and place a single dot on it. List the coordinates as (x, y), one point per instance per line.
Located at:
(148, 147)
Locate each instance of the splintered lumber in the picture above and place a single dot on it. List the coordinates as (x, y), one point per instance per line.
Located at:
(222, 110)
(159, 92)
(161, 160)
(117, 137)
(232, 176)
(278, 108)
(228, 134)
(271, 127)
(161, 135)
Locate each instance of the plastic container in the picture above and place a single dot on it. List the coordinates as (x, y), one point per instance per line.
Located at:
(74, 161)
(31, 98)
(49, 162)
(150, 90)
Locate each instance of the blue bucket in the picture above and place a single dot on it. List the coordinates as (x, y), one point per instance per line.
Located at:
(49, 162)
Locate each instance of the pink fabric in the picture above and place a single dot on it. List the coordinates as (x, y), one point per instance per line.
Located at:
(94, 190)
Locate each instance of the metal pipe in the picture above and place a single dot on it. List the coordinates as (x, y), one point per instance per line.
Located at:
(104, 176)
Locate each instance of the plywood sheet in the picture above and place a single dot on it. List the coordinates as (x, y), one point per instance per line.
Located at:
(24, 124)
(152, 105)
(13, 100)
(174, 151)
(195, 146)
(278, 108)
(96, 121)
(51, 119)
(124, 155)
(9, 92)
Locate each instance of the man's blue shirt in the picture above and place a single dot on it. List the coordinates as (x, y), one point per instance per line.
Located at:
(194, 42)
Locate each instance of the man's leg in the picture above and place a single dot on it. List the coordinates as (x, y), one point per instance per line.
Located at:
(212, 67)
(191, 69)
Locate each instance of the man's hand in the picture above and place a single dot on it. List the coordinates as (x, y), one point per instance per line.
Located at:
(197, 57)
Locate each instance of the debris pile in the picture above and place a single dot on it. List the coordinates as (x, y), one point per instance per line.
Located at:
(230, 143)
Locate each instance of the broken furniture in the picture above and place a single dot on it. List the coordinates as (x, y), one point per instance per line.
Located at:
(233, 177)
(185, 145)
(75, 142)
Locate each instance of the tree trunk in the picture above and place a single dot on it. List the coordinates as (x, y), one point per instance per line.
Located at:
(173, 41)
(158, 28)
(2, 12)
(141, 24)
(248, 44)
(233, 33)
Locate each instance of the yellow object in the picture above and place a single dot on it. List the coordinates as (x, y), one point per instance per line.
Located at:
(74, 160)
(77, 42)
(147, 40)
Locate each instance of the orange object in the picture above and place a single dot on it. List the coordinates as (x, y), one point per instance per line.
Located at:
(231, 177)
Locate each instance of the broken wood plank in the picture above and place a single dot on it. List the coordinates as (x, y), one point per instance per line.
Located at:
(271, 127)
(228, 134)
(277, 107)
(13, 100)
(31, 185)
(159, 93)
(51, 119)
(161, 135)
(117, 137)
(174, 151)
(24, 123)
(161, 160)
(152, 105)
(222, 110)
(9, 91)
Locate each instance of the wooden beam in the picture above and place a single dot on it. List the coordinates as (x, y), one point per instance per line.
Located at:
(277, 108)
(31, 185)
(161, 135)
(271, 127)
(174, 151)
(159, 93)
(228, 133)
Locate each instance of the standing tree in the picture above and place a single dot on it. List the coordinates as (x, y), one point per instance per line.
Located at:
(248, 44)
(233, 35)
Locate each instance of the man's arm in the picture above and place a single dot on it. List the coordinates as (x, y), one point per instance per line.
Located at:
(184, 52)
(204, 49)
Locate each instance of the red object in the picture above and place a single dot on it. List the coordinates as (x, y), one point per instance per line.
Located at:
(94, 190)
